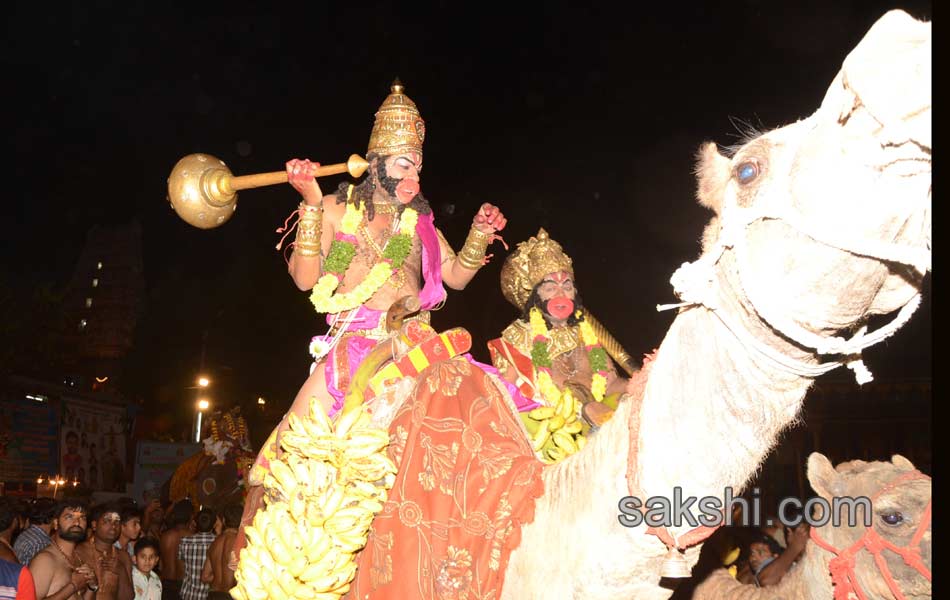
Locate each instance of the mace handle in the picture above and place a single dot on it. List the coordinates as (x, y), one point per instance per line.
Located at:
(245, 182)
(611, 345)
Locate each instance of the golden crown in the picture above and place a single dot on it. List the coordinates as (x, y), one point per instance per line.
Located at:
(528, 264)
(399, 127)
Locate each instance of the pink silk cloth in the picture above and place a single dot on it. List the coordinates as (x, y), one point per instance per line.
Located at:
(341, 363)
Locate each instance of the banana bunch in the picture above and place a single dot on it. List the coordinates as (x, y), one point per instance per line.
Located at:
(555, 431)
(321, 497)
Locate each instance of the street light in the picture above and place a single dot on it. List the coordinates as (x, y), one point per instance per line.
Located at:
(203, 405)
(261, 401)
(203, 381)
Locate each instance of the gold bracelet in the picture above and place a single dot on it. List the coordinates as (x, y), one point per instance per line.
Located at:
(472, 254)
(309, 231)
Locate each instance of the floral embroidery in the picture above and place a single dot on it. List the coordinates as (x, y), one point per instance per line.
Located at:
(381, 571)
(437, 465)
(454, 574)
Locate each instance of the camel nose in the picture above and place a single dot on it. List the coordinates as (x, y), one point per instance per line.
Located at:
(889, 73)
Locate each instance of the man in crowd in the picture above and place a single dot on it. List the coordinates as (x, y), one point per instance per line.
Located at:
(58, 571)
(113, 566)
(177, 526)
(16, 582)
(9, 522)
(770, 563)
(36, 536)
(131, 528)
(216, 571)
(192, 552)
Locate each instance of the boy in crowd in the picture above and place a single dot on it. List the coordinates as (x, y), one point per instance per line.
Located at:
(130, 528)
(147, 585)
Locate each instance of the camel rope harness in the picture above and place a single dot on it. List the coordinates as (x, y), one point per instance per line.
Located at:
(843, 564)
(695, 284)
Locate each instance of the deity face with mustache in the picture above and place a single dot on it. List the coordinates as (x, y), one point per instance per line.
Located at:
(557, 298)
(398, 175)
(71, 524)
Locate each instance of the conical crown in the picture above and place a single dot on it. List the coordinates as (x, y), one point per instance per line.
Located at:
(527, 266)
(398, 127)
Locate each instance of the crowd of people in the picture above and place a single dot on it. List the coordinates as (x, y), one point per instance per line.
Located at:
(120, 550)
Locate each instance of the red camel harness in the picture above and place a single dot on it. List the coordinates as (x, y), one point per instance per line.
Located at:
(842, 565)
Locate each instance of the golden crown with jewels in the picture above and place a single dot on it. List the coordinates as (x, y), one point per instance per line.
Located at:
(529, 263)
(399, 126)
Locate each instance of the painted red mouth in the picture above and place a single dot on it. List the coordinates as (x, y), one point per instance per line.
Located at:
(560, 308)
(406, 190)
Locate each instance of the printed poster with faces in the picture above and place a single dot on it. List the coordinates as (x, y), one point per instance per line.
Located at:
(92, 445)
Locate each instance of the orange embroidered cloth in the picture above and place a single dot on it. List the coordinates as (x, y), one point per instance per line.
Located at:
(467, 482)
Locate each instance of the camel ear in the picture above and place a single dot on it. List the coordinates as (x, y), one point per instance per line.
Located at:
(902, 463)
(712, 174)
(822, 476)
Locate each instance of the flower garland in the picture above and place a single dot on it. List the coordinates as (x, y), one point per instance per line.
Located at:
(541, 359)
(342, 251)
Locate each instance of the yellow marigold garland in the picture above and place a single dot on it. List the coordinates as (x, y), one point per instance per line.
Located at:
(323, 298)
(542, 362)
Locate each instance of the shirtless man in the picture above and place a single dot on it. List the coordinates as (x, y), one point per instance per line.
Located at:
(9, 522)
(113, 566)
(58, 571)
(179, 525)
(216, 570)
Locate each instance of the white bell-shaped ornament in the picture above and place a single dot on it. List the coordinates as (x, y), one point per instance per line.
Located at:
(674, 565)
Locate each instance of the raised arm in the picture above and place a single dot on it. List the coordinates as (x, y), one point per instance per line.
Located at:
(316, 227)
(461, 268)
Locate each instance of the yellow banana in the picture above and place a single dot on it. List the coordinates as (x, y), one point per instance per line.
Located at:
(333, 500)
(287, 582)
(581, 441)
(301, 472)
(541, 413)
(298, 505)
(530, 424)
(297, 564)
(281, 554)
(566, 406)
(349, 542)
(346, 519)
(237, 593)
(565, 442)
(370, 505)
(346, 421)
(366, 442)
(319, 416)
(555, 454)
(283, 474)
(318, 546)
(253, 536)
(335, 580)
(572, 427)
(555, 423)
(256, 593)
(290, 537)
(541, 436)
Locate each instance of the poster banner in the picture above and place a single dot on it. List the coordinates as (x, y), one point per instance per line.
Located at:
(28, 441)
(155, 462)
(92, 444)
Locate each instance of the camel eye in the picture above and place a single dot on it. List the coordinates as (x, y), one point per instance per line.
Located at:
(746, 172)
(892, 518)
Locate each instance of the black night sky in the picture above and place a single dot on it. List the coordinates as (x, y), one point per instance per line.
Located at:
(583, 120)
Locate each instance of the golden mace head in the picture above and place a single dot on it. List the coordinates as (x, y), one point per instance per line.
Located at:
(202, 189)
(199, 191)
